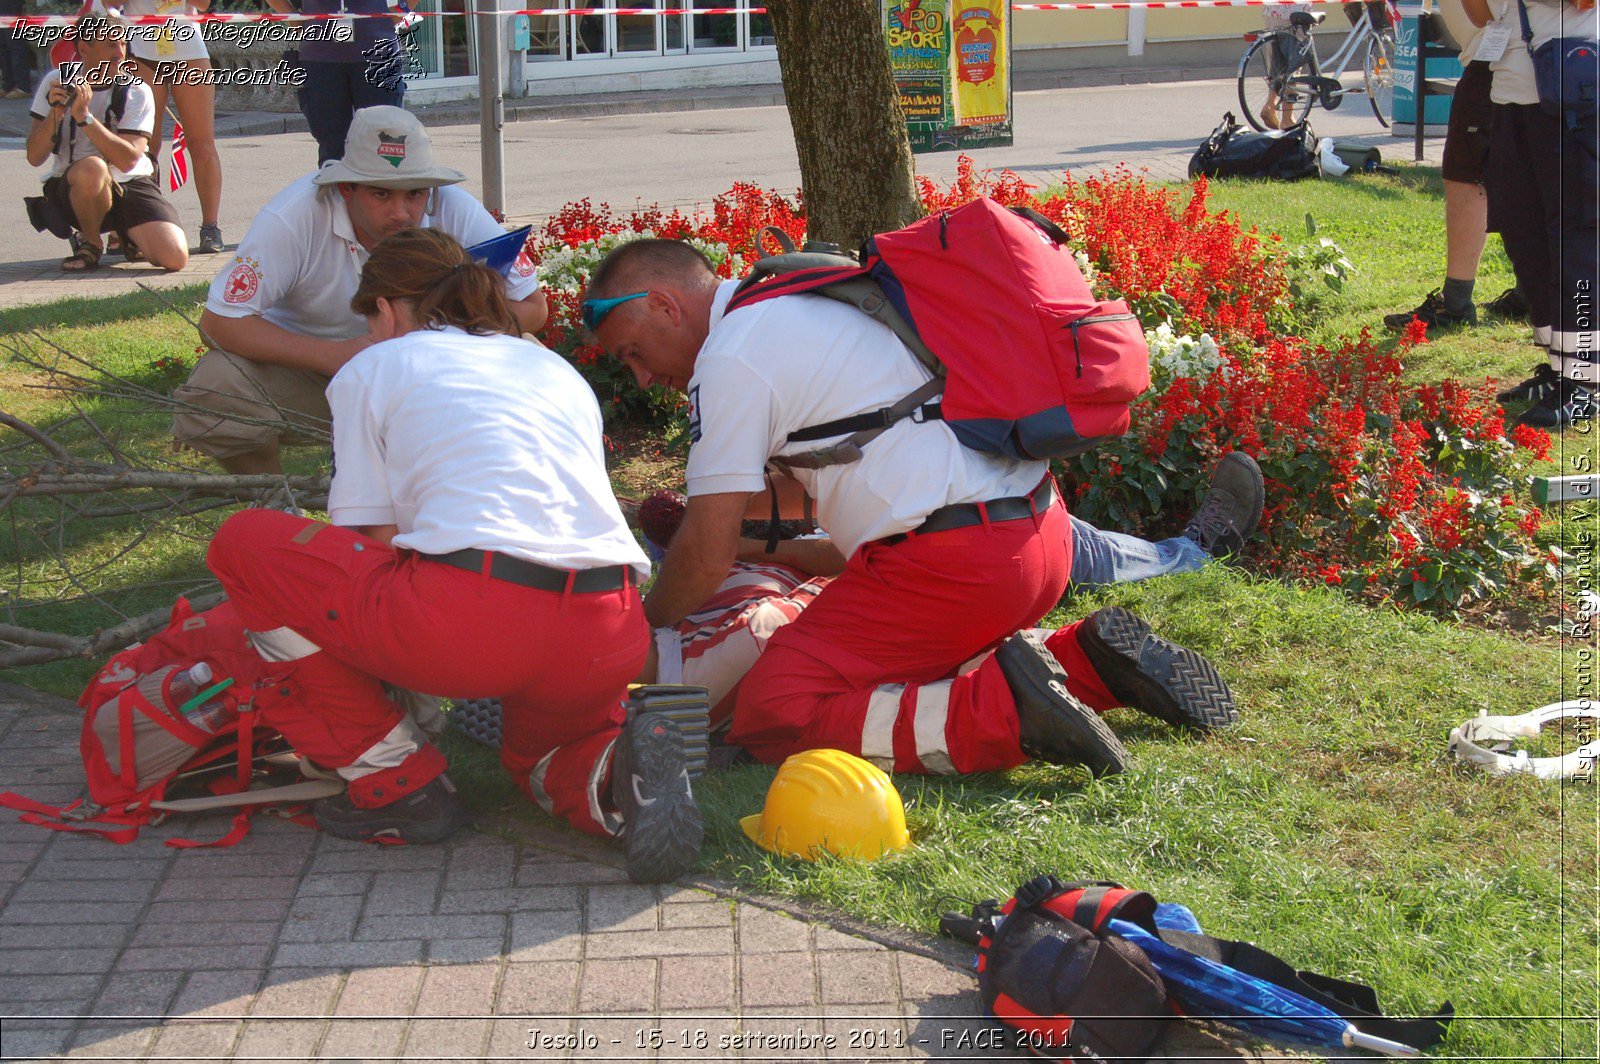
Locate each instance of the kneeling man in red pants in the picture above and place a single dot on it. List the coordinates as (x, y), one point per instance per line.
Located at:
(951, 553)
(477, 550)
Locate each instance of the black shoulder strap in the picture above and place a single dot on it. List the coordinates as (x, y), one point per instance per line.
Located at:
(55, 137)
(1051, 229)
(115, 108)
(1134, 906)
(118, 104)
(875, 424)
(791, 274)
(1355, 1002)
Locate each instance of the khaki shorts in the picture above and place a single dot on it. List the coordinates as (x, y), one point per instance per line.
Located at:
(245, 405)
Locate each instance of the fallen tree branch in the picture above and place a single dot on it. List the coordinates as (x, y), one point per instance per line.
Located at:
(112, 478)
(97, 505)
(31, 647)
(38, 436)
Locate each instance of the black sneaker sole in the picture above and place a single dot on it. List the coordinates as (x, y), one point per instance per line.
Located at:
(1531, 390)
(662, 836)
(1516, 310)
(1039, 685)
(1154, 675)
(345, 821)
(1566, 415)
(1398, 322)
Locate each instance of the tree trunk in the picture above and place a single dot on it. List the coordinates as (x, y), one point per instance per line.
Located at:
(855, 160)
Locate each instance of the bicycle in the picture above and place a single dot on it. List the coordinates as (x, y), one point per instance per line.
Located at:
(1281, 76)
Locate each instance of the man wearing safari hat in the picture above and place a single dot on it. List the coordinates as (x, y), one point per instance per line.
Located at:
(278, 318)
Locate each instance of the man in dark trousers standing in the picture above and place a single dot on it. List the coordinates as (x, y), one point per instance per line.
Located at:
(348, 67)
(16, 83)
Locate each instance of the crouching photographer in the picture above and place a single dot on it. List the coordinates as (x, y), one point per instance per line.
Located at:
(92, 122)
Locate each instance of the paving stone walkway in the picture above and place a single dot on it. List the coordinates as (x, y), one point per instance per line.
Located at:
(295, 946)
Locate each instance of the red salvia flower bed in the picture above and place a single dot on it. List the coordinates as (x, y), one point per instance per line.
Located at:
(1373, 484)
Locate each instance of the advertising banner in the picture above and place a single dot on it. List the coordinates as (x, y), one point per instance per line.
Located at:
(952, 69)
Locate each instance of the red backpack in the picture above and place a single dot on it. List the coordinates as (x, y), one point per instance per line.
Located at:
(1026, 362)
(141, 736)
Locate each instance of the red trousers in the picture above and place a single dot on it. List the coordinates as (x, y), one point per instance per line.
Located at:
(889, 662)
(347, 612)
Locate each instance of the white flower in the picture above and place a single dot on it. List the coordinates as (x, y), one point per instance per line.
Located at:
(1085, 267)
(1173, 355)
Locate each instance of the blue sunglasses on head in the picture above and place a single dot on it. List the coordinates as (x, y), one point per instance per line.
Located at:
(594, 311)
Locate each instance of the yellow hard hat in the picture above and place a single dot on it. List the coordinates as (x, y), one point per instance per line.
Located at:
(830, 800)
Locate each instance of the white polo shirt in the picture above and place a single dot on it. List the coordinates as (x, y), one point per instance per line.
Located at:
(138, 116)
(486, 442)
(769, 369)
(300, 263)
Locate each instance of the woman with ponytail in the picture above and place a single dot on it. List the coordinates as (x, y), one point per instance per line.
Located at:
(475, 550)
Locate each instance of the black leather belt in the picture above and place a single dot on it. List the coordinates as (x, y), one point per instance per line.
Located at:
(532, 574)
(966, 514)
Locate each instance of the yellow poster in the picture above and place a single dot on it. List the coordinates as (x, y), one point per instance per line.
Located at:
(978, 55)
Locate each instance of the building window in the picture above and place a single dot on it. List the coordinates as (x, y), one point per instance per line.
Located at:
(445, 45)
(715, 32)
(557, 37)
(636, 34)
(761, 31)
(589, 36)
(544, 37)
(672, 34)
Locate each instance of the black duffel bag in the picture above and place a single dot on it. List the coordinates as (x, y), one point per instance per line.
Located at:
(1282, 155)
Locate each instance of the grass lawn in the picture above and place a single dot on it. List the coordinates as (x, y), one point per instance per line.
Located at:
(1392, 230)
(1328, 827)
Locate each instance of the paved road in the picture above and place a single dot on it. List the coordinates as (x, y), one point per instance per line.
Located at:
(684, 158)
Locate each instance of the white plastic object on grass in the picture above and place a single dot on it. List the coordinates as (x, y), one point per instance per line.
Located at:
(1354, 1039)
(1328, 161)
(1501, 760)
(1589, 604)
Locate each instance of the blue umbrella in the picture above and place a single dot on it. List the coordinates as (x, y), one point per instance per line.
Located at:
(1209, 990)
(499, 253)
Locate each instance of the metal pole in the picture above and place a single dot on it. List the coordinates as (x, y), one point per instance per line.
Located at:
(1136, 31)
(491, 104)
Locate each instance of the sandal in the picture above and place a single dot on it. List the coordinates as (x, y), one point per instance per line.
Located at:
(131, 252)
(85, 260)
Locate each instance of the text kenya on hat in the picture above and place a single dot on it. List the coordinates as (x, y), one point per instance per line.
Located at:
(388, 147)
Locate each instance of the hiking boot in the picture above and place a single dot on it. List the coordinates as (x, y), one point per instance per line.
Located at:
(1154, 676)
(430, 814)
(1544, 382)
(661, 827)
(1055, 726)
(1511, 305)
(1433, 313)
(1231, 509)
(211, 240)
(1567, 403)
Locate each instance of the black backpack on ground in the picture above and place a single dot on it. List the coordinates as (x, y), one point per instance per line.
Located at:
(1068, 988)
(1231, 151)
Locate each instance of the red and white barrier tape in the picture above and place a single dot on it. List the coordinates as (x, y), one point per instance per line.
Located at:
(611, 12)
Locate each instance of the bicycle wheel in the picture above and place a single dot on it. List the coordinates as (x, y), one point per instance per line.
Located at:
(1264, 88)
(1378, 69)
